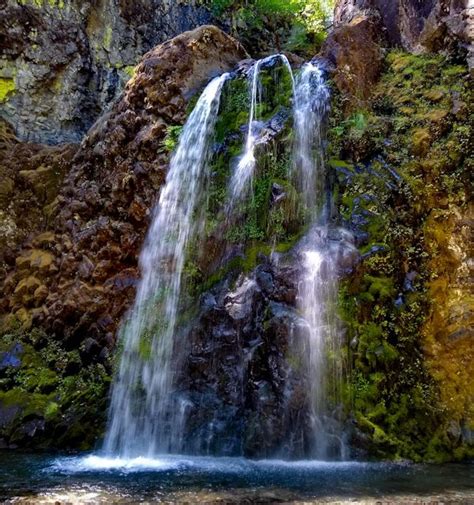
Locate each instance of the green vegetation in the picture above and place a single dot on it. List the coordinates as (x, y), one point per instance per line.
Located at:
(259, 224)
(45, 385)
(170, 142)
(305, 20)
(393, 163)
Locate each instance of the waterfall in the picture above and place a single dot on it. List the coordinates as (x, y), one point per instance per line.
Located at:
(145, 418)
(317, 291)
(242, 176)
(147, 415)
(311, 106)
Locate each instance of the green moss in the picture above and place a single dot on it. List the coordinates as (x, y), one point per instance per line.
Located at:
(233, 112)
(43, 3)
(395, 400)
(128, 70)
(379, 288)
(42, 387)
(7, 87)
(107, 40)
(51, 411)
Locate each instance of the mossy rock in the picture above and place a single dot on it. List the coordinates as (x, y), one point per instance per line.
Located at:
(43, 180)
(421, 141)
(36, 260)
(401, 307)
(7, 187)
(47, 397)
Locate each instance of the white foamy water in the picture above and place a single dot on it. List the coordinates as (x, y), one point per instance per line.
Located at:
(94, 463)
(145, 417)
(317, 295)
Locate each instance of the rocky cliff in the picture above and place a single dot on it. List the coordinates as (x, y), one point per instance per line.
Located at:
(64, 62)
(73, 221)
(77, 278)
(418, 26)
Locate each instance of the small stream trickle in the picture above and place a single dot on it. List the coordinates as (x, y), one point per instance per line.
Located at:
(242, 177)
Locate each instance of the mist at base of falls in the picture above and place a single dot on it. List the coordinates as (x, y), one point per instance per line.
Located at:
(46, 479)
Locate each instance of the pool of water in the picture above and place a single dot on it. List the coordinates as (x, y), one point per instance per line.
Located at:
(39, 478)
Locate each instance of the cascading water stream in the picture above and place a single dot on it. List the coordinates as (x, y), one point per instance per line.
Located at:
(317, 288)
(311, 106)
(242, 176)
(144, 417)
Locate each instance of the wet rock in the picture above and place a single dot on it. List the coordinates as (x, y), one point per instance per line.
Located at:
(11, 358)
(239, 303)
(243, 368)
(271, 129)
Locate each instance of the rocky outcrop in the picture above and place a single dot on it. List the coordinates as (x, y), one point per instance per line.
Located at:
(77, 280)
(426, 26)
(355, 53)
(65, 61)
(363, 27)
(31, 176)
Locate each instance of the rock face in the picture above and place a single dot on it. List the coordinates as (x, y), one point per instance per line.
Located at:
(30, 179)
(403, 170)
(245, 392)
(418, 26)
(363, 27)
(77, 281)
(449, 328)
(355, 53)
(64, 61)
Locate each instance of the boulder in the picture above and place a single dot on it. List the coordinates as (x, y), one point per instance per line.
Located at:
(355, 53)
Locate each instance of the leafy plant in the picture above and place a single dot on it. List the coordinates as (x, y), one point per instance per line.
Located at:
(172, 137)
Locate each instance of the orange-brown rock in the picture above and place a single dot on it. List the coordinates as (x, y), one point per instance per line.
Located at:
(354, 50)
(86, 263)
(30, 178)
(449, 329)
